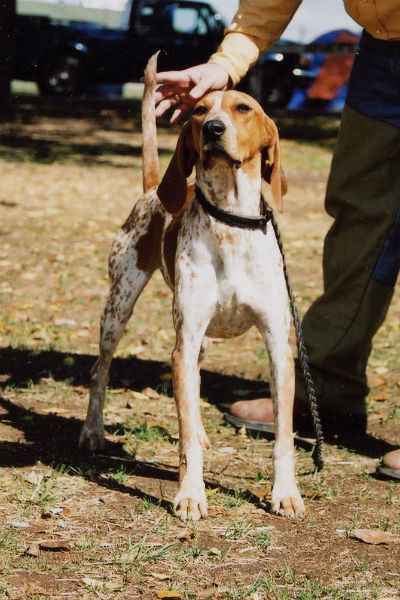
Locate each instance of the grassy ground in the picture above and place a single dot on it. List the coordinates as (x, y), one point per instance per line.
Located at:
(74, 525)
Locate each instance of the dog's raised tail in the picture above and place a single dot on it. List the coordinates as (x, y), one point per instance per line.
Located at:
(151, 163)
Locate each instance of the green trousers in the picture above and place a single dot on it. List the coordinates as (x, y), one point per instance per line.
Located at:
(360, 262)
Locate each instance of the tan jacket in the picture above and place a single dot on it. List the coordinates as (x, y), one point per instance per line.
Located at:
(259, 23)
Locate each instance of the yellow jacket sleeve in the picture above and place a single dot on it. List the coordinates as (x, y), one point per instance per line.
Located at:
(256, 25)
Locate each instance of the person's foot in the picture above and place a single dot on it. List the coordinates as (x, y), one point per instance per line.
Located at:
(258, 415)
(390, 465)
(261, 411)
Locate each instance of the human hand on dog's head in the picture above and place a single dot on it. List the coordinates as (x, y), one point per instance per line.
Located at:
(183, 89)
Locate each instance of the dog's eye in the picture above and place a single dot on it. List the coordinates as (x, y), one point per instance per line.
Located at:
(243, 108)
(200, 110)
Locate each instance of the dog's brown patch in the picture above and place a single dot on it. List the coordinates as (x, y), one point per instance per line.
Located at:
(170, 242)
(148, 247)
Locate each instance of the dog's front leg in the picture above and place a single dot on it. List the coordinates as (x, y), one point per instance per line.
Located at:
(190, 501)
(286, 498)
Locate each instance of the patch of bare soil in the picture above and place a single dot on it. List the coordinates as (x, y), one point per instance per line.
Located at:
(76, 525)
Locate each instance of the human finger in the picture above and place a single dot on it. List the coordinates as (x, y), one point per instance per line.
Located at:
(181, 110)
(173, 77)
(164, 105)
(212, 77)
(167, 91)
(201, 88)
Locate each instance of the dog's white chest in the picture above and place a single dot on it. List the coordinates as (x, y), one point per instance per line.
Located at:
(236, 274)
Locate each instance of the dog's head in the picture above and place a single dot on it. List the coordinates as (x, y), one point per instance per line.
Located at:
(230, 125)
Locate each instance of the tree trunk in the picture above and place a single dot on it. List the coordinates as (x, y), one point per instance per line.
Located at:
(7, 31)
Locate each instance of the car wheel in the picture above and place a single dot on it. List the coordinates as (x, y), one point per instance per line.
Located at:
(61, 76)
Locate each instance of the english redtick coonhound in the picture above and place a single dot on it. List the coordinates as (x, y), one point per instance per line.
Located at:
(225, 277)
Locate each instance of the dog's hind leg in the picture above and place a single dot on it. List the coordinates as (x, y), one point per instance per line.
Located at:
(116, 314)
(129, 273)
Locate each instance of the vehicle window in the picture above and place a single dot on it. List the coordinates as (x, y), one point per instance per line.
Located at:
(151, 19)
(213, 20)
(188, 20)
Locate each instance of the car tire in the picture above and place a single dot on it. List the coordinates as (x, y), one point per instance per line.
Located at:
(61, 77)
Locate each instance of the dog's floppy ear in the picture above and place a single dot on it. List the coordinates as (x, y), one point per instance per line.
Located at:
(173, 187)
(272, 169)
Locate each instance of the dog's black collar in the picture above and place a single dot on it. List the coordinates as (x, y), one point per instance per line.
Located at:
(233, 220)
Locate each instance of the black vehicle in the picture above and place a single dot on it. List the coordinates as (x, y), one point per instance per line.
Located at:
(65, 58)
(68, 58)
(277, 74)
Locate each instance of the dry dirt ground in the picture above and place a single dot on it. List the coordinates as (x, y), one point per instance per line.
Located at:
(79, 526)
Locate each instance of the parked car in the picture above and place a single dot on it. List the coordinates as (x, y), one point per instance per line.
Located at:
(73, 58)
(277, 74)
(64, 58)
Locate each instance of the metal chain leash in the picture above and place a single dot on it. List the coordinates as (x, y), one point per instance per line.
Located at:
(318, 452)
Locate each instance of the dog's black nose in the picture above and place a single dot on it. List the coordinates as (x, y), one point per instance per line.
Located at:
(213, 129)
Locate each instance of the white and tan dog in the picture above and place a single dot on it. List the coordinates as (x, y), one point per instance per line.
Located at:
(225, 279)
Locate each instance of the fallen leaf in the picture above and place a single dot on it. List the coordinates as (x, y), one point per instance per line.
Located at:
(372, 536)
(262, 492)
(36, 476)
(381, 396)
(171, 594)
(381, 370)
(215, 511)
(150, 393)
(111, 586)
(160, 576)
(375, 381)
(185, 534)
(139, 395)
(114, 585)
(94, 583)
(52, 512)
(19, 524)
(40, 334)
(33, 549)
(55, 546)
(315, 495)
(214, 551)
(227, 450)
(68, 322)
(207, 593)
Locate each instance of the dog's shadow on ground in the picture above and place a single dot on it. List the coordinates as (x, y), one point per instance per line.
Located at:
(52, 439)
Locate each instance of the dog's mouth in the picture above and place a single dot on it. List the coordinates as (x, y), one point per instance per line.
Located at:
(217, 150)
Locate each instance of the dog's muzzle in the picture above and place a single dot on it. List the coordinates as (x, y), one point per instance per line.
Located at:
(213, 130)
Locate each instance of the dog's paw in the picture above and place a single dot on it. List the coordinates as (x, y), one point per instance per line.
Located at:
(93, 439)
(190, 504)
(288, 505)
